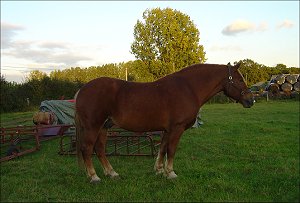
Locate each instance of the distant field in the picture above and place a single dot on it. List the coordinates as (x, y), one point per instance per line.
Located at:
(237, 155)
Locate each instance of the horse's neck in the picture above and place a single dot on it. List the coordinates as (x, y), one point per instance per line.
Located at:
(207, 83)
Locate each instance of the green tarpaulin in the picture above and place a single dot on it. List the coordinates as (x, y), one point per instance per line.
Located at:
(63, 110)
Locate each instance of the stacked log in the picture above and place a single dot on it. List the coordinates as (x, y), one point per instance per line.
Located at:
(280, 79)
(292, 79)
(274, 89)
(297, 86)
(284, 83)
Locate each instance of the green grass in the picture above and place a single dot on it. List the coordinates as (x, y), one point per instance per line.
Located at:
(18, 118)
(237, 155)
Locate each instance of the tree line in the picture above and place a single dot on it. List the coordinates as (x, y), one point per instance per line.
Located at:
(63, 84)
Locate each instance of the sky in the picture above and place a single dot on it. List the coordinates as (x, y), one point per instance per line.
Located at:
(54, 35)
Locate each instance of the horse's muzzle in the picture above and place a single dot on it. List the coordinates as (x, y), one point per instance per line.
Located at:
(248, 101)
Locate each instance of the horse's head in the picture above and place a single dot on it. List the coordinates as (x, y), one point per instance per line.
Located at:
(236, 88)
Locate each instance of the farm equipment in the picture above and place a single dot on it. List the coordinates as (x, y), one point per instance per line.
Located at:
(21, 140)
(119, 143)
(17, 141)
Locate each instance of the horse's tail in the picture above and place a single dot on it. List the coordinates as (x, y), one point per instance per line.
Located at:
(79, 134)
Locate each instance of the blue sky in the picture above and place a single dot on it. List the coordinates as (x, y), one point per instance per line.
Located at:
(57, 35)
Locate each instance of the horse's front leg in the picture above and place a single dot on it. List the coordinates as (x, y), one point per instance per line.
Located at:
(100, 151)
(173, 139)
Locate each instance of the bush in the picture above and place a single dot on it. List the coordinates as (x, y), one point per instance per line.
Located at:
(19, 97)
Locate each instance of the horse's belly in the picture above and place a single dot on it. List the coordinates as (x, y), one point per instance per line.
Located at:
(140, 122)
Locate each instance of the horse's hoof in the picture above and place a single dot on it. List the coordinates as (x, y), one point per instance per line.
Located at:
(159, 171)
(171, 175)
(114, 175)
(95, 180)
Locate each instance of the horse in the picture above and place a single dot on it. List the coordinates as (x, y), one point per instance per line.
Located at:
(169, 104)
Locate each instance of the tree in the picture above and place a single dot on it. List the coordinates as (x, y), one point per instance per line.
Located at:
(282, 68)
(252, 71)
(166, 41)
(36, 75)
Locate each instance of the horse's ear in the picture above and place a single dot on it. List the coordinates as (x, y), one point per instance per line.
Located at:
(236, 66)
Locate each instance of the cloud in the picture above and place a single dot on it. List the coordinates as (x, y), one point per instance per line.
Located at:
(285, 24)
(43, 52)
(44, 56)
(225, 48)
(53, 45)
(8, 31)
(240, 26)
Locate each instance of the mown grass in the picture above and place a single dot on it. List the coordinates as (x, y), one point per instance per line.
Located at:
(237, 155)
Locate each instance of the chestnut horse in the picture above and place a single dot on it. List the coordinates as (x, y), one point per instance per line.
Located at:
(169, 104)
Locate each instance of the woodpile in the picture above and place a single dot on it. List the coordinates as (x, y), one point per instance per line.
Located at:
(284, 83)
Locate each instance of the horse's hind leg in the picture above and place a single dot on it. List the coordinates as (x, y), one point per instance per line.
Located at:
(159, 163)
(173, 140)
(87, 150)
(100, 151)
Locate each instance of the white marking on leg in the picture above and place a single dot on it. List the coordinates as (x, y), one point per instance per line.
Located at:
(169, 172)
(158, 166)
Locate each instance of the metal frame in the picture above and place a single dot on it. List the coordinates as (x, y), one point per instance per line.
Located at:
(124, 143)
(119, 143)
(21, 140)
(11, 137)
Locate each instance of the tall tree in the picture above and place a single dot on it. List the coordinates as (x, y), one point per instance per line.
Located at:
(36, 75)
(166, 41)
(252, 71)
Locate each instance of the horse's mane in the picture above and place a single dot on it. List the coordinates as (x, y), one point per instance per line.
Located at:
(196, 67)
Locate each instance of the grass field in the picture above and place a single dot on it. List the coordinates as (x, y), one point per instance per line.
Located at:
(237, 155)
